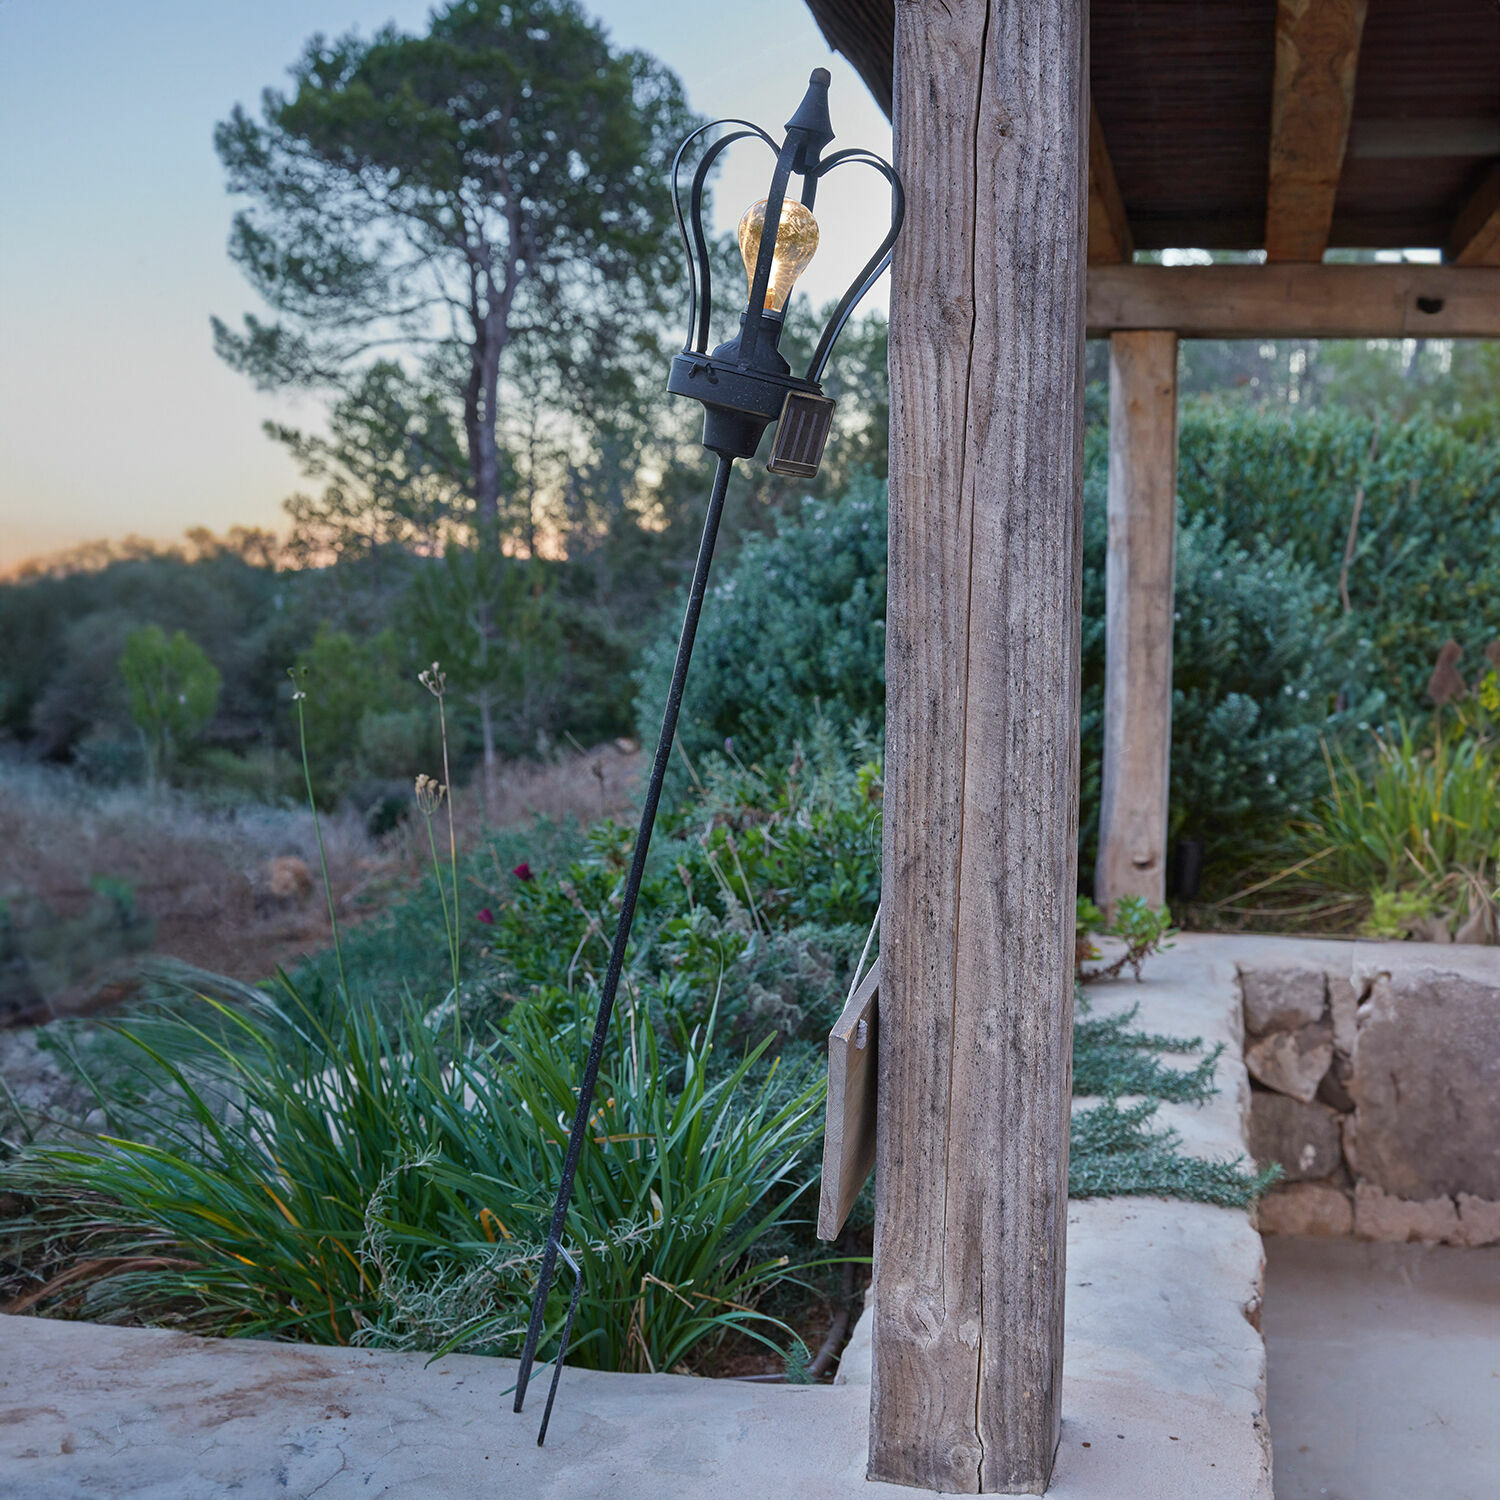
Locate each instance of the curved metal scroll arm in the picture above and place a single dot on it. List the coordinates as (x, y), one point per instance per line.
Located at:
(873, 268)
(697, 247)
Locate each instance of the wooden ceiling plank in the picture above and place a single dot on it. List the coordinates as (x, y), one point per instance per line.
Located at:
(1476, 232)
(1317, 54)
(1110, 239)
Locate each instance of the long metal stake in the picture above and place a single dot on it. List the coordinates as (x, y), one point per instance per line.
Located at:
(622, 932)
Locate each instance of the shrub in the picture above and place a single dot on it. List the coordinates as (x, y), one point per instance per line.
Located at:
(344, 1183)
(173, 690)
(795, 632)
(796, 620)
(1426, 565)
(1414, 830)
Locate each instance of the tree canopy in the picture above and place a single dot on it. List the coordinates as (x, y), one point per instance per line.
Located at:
(444, 198)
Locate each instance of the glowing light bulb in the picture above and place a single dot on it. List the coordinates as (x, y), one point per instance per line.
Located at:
(796, 243)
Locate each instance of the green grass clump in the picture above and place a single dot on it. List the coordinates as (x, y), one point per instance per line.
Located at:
(359, 1186)
(1414, 828)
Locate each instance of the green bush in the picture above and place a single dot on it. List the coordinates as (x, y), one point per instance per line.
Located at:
(340, 1169)
(1427, 557)
(1414, 830)
(795, 633)
(1263, 668)
(359, 1187)
(797, 620)
(172, 689)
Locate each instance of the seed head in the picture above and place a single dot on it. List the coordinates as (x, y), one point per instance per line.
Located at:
(430, 793)
(434, 679)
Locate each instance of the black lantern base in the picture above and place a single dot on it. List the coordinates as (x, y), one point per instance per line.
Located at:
(738, 404)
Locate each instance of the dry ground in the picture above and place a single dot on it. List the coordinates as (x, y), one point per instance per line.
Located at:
(236, 891)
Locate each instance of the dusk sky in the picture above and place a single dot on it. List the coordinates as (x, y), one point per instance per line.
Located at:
(115, 415)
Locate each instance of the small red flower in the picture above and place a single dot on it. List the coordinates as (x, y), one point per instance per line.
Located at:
(522, 871)
(486, 916)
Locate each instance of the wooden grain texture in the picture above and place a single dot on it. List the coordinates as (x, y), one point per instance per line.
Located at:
(981, 744)
(1327, 301)
(1312, 100)
(1110, 240)
(1138, 617)
(1476, 232)
(849, 1125)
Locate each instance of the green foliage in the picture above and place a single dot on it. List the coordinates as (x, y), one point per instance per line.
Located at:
(796, 625)
(1142, 928)
(172, 688)
(62, 633)
(796, 628)
(392, 467)
(1116, 1152)
(1426, 564)
(479, 189)
(346, 1170)
(356, 686)
(1263, 668)
(1412, 827)
(356, 1186)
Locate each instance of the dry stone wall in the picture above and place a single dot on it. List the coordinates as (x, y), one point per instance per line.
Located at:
(1377, 1091)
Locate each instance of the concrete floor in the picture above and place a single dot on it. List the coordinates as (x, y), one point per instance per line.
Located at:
(1383, 1370)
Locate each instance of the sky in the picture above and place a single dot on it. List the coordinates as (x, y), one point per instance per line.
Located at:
(116, 417)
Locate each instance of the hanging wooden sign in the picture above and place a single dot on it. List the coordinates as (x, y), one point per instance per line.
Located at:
(849, 1134)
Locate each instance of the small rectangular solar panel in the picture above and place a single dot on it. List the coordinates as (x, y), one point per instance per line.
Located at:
(801, 434)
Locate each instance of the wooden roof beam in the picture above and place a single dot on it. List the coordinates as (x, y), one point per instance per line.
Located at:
(1475, 240)
(1331, 301)
(1317, 53)
(1110, 240)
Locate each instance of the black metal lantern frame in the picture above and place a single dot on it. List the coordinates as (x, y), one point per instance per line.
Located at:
(744, 386)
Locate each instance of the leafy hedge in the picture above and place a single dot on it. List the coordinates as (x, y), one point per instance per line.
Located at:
(795, 629)
(1426, 565)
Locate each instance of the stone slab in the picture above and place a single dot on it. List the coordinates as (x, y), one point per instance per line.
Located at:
(1284, 997)
(1426, 1082)
(1292, 1062)
(1303, 1139)
(1316, 1209)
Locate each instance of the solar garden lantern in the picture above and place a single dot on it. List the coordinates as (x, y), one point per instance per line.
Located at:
(744, 386)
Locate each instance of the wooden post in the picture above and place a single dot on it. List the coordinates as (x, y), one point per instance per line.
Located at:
(1138, 617)
(981, 744)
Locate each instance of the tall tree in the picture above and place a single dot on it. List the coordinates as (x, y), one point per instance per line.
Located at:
(448, 192)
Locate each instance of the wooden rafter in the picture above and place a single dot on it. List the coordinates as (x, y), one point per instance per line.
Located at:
(1475, 240)
(1110, 240)
(1317, 53)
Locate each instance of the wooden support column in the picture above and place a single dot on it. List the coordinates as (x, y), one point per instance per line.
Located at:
(1138, 617)
(991, 127)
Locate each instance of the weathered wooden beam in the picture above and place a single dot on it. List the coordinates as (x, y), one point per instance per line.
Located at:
(1314, 302)
(1317, 52)
(981, 777)
(1110, 240)
(1476, 232)
(1138, 617)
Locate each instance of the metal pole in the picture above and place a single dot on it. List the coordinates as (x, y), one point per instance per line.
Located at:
(622, 931)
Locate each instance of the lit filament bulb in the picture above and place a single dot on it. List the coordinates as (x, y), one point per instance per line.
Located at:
(796, 242)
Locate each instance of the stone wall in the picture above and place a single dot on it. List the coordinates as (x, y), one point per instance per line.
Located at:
(1376, 1087)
